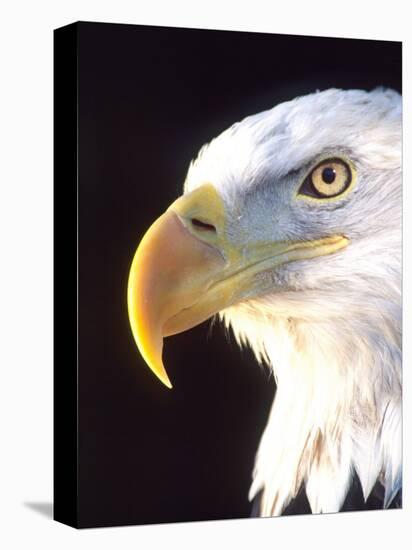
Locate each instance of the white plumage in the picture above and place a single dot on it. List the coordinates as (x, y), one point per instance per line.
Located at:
(328, 327)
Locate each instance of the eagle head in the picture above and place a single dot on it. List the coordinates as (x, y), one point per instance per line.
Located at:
(289, 228)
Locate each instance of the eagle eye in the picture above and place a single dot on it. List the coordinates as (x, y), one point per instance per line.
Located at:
(330, 178)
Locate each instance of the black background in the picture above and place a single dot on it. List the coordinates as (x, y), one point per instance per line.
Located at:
(149, 98)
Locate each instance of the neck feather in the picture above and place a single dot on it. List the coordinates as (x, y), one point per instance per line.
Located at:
(337, 408)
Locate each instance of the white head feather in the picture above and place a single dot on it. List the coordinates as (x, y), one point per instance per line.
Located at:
(329, 327)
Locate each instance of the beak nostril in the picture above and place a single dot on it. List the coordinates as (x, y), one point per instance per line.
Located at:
(198, 224)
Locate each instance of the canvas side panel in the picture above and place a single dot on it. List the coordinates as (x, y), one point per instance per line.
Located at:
(65, 276)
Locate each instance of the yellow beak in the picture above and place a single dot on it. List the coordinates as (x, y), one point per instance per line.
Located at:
(185, 270)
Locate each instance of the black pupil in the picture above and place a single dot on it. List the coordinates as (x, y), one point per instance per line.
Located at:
(328, 175)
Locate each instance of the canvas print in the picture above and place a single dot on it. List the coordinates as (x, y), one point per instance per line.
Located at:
(237, 275)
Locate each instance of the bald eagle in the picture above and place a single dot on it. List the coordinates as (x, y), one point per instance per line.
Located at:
(289, 229)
